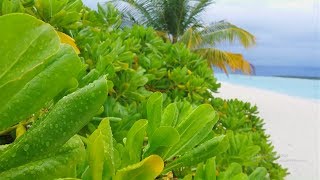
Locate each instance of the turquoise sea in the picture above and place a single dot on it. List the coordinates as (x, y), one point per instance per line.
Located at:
(305, 88)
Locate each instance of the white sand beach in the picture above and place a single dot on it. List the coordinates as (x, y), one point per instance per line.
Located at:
(293, 124)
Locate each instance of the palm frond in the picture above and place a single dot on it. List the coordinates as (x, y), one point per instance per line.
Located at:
(191, 38)
(223, 31)
(142, 12)
(175, 13)
(224, 59)
(196, 9)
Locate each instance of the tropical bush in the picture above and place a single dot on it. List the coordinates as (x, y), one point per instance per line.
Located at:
(179, 21)
(250, 146)
(116, 103)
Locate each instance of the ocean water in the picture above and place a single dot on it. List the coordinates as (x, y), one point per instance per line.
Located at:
(304, 88)
(292, 71)
(288, 71)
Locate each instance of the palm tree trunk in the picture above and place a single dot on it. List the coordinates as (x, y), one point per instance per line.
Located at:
(174, 39)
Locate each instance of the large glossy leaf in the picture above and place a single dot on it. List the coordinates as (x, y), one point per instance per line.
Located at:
(25, 44)
(40, 89)
(101, 152)
(189, 129)
(260, 173)
(34, 68)
(60, 164)
(154, 112)
(170, 115)
(185, 109)
(66, 118)
(201, 153)
(162, 138)
(147, 169)
(210, 169)
(198, 137)
(135, 140)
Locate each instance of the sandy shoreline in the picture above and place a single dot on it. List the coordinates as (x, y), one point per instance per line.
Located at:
(293, 124)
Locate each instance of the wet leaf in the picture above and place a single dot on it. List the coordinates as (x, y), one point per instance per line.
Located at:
(147, 169)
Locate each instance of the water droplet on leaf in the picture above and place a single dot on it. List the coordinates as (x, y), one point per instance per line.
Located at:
(26, 147)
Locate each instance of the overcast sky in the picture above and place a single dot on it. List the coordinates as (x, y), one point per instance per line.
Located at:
(287, 31)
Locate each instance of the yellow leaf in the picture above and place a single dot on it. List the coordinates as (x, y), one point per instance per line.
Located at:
(64, 38)
(20, 130)
(147, 169)
(181, 86)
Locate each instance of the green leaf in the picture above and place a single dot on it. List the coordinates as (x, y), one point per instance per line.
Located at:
(101, 152)
(201, 153)
(206, 171)
(185, 109)
(3, 148)
(240, 176)
(59, 164)
(122, 158)
(162, 137)
(147, 169)
(210, 169)
(259, 173)
(90, 77)
(31, 97)
(250, 151)
(200, 174)
(199, 137)
(135, 140)
(62, 13)
(11, 6)
(66, 118)
(35, 68)
(233, 170)
(170, 115)
(26, 43)
(190, 127)
(188, 177)
(154, 112)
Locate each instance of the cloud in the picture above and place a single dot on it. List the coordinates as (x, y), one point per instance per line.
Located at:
(286, 30)
(93, 3)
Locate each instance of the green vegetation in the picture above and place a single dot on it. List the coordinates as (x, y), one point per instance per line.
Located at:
(128, 106)
(179, 21)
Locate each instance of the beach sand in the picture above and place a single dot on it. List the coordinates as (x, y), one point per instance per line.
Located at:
(293, 124)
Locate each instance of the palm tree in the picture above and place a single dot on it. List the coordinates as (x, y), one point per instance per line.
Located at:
(179, 21)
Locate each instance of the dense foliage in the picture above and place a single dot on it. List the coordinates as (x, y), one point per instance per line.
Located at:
(180, 21)
(129, 106)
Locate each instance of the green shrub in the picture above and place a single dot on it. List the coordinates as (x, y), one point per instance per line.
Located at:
(87, 127)
(251, 147)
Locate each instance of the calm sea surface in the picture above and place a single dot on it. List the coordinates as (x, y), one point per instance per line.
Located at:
(265, 79)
